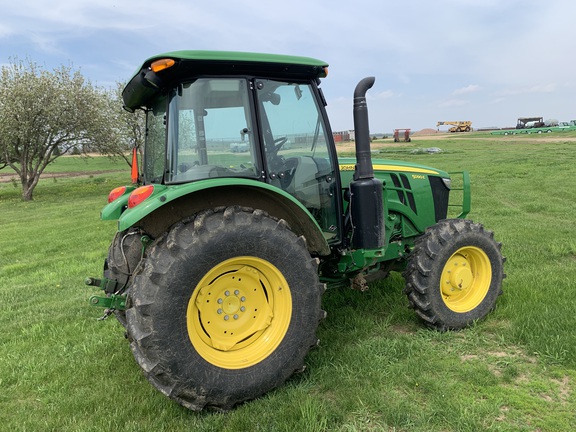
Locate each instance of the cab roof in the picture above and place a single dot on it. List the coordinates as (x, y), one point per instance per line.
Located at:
(194, 63)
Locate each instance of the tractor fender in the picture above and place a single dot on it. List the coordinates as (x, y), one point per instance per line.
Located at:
(115, 208)
(169, 205)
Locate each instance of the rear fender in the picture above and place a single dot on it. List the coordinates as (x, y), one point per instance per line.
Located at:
(169, 205)
(114, 209)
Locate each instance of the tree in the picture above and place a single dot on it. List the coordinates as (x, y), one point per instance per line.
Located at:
(44, 115)
(130, 128)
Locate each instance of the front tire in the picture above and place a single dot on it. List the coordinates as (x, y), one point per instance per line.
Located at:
(454, 274)
(224, 309)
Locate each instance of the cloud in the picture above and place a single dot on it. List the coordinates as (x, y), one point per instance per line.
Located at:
(452, 103)
(403, 78)
(387, 94)
(472, 88)
(513, 53)
(45, 43)
(4, 30)
(537, 88)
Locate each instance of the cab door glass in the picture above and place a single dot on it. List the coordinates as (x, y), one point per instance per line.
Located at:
(210, 131)
(296, 148)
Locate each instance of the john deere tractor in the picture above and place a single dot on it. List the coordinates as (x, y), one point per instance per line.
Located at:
(241, 215)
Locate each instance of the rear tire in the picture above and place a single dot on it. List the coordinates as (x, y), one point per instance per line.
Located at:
(224, 309)
(454, 274)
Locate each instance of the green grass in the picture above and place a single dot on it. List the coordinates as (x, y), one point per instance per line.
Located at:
(86, 164)
(377, 367)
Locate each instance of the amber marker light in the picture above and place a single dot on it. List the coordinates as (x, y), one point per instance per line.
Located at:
(162, 64)
(116, 193)
(139, 195)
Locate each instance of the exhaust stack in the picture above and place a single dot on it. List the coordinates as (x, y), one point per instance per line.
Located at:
(364, 168)
(366, 192)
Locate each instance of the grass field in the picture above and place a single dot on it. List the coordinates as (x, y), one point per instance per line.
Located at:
(377, 369)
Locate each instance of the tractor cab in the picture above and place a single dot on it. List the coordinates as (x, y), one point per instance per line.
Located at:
(210, 125)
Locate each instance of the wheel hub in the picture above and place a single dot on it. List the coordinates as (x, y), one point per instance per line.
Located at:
(461, 278)
(457, 275)
(231, 303)
(465, 279)
(238, 313)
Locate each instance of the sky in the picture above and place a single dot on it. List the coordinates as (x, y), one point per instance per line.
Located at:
(487, 61)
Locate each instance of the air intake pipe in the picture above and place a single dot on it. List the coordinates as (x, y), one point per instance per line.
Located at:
(366, 199)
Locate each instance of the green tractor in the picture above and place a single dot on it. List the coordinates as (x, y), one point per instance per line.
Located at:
(241, 215)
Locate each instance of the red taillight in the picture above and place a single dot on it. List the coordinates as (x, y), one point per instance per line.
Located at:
(139, 195)
(116, 193)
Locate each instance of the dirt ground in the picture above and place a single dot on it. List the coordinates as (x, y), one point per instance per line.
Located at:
(375, 145)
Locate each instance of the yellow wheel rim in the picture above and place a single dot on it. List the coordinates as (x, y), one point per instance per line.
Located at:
(466, 279)
(239, 312)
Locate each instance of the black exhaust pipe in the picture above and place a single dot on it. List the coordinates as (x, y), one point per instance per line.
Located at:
(366, 192)
(364, 168)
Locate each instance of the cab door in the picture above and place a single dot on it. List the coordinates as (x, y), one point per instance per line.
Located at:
(297, 146)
